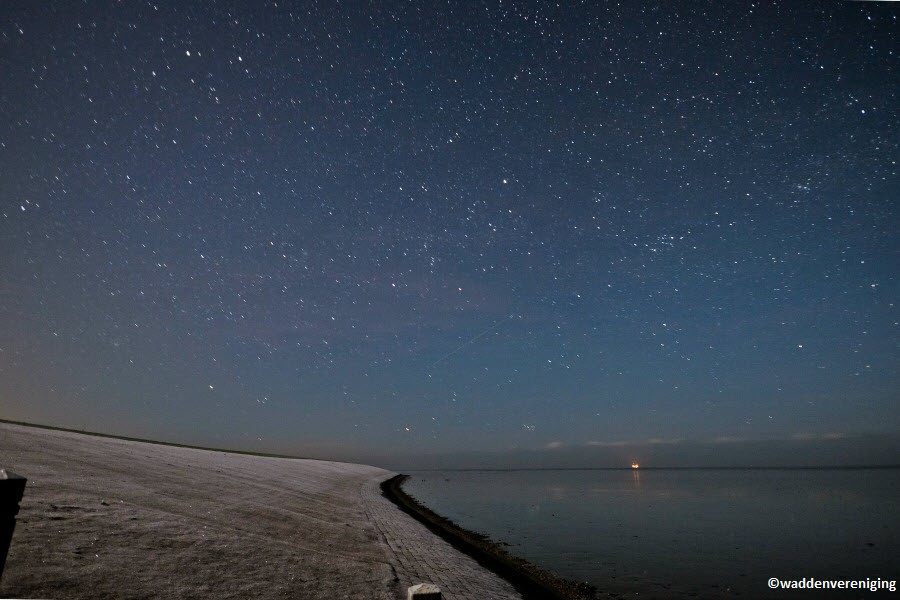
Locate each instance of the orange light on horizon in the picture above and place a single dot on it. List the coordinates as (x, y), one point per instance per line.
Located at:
(635, 465)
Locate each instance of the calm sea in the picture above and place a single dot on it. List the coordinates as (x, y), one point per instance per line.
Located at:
(703, 533)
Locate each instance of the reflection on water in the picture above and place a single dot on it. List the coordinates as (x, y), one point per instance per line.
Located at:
(701, 532)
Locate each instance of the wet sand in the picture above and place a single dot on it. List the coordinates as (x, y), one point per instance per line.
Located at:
(110, 518)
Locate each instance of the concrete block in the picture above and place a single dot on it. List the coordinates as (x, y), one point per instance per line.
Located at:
(423, 591)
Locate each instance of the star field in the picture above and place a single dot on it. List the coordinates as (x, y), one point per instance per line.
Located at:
(358, 229)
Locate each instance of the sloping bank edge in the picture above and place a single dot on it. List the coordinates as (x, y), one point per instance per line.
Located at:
(533, 582)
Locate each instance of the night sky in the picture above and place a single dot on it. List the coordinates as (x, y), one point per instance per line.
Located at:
(390, 229)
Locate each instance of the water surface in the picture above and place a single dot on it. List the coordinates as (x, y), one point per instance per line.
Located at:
(683, 532)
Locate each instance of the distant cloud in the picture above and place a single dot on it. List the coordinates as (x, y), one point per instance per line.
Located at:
(802, 436)
(609, 444)
(665, 441)
(722, 439)
(624, 443)
(728, 439)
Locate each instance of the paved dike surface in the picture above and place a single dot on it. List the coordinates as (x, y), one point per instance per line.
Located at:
(110, 518)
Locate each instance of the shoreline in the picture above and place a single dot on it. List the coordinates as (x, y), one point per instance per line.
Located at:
(530, 580)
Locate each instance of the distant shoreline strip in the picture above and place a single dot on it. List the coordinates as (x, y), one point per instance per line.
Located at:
(533, 582)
